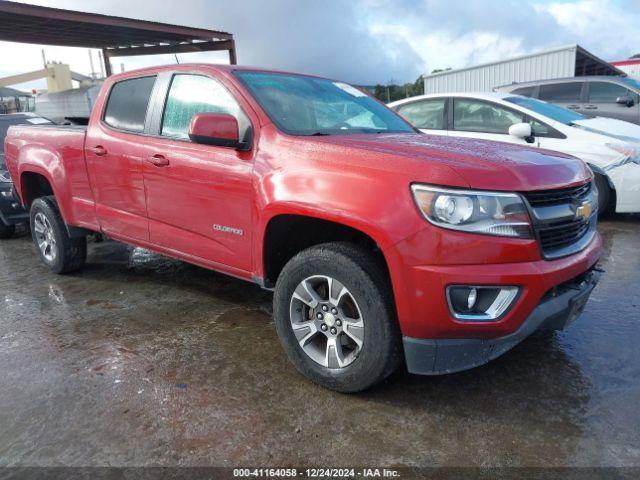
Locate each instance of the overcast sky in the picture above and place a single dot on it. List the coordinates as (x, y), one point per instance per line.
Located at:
(364, 41)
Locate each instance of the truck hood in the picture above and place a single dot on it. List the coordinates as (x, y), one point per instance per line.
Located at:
(618, 129)
(482, 164)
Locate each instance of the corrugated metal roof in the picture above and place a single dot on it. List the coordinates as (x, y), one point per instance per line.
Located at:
(116, 36)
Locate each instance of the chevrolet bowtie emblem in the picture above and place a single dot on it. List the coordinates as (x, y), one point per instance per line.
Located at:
(584, 210)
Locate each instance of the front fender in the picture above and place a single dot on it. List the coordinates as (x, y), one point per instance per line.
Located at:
(381, 207)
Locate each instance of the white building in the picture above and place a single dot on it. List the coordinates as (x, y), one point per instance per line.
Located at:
(560, 62)
(631, 67)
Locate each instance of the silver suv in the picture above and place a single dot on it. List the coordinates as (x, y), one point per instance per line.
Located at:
(596, 96)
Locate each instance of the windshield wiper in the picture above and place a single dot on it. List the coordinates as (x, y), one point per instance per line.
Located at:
(319, 134)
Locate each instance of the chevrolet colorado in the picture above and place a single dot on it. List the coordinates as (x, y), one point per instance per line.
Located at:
(380, 242)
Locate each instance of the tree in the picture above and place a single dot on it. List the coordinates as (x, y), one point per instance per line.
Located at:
(637, 55)
(391, 92)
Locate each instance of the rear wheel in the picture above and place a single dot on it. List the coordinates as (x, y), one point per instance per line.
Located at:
(604, 195)
(6, 231)
(61, 253)
(335, 317)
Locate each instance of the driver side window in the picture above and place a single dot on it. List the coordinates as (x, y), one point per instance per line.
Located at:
(479, 116)
(539, 129)
(190, 94)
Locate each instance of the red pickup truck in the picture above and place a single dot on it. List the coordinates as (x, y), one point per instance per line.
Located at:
(380, 242)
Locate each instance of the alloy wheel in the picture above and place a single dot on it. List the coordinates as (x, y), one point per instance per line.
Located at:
(45, 237)
(327, 321)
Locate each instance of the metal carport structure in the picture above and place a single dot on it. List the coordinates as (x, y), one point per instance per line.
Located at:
(115, 36)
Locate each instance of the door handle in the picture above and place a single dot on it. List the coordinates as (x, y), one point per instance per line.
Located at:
(158, 160)
(99, 151)
(590, 107)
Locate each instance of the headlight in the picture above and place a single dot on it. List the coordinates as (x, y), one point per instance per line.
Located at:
(4, 176)
(489, 213)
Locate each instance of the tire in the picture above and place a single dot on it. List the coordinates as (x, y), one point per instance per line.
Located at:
(366, 308)
(64, 254)
(6, 231)
(604, 195)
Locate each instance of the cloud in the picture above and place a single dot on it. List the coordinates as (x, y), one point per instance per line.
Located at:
(608, 29)
(366, 41)
(326, 38)
(457, 33)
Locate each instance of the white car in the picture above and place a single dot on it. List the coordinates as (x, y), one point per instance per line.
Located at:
(610, 147)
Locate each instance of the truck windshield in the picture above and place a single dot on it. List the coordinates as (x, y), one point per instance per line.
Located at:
(301, 105)
(632, 83)
(550, 110)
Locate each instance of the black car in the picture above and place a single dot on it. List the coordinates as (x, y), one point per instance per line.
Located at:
(11, 212)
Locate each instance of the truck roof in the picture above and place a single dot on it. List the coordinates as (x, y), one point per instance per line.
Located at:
(214, 66)
(582, 78)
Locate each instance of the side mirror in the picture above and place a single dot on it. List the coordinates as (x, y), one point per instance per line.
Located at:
(220, 129)
(521, 130)
(628, 101)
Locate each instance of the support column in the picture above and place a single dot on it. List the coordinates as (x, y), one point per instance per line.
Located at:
(107, 62)
(233, 60)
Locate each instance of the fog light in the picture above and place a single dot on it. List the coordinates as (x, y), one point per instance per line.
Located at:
(479, 303)
(471, 298)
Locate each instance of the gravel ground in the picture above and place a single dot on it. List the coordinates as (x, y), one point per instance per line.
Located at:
(142, 360)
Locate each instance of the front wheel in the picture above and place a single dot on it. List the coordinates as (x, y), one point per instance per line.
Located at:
(61, 253)
(335, 317)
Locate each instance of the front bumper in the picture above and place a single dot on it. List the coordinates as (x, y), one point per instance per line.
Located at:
(557, 309)
(11, 211)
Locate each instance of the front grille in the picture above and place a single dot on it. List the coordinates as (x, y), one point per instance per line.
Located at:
(559, 230)
(562, 234)
(557, 197)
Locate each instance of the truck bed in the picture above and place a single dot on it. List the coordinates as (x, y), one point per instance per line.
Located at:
(56, 152)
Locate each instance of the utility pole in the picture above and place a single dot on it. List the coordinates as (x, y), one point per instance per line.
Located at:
(93, 71)
(103, 61)
(44, 59)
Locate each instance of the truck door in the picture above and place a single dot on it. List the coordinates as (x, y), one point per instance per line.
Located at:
(114, 160)
(199, 197)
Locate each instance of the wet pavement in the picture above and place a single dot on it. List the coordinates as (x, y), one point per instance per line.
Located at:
(143, 360)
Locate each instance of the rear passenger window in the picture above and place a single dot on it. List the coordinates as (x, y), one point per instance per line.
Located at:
(561, 92)
(428, 114)
(128, 102)
(605, 92)
(524, 91)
